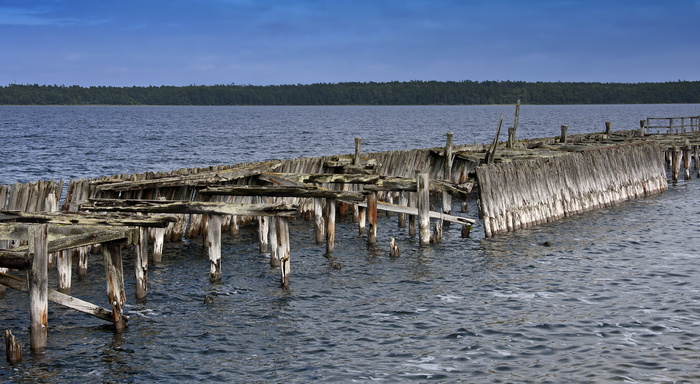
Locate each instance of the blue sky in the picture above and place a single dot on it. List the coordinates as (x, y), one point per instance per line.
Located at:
(205, 42)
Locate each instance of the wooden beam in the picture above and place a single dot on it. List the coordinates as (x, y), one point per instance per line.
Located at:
(59, 298)
(189, 207)
(82, 218)
(202, 179)
(65, 237)
(15, 260)
(282, 191)
(381, 206)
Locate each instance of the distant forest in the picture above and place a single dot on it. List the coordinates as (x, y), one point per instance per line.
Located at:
(390, 93)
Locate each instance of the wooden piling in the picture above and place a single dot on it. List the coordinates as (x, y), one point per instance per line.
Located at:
(214, 238)
(114, 271)
(284, 253)
(358, 146)
(403, 201)
(13, 349)
(372, 216)
(38, 287)
(608, 128)
(423, 193)
(686, 160)
(83, 258)
(319, 222)
(436, 237)
(141, 264)
(64, 268)
(394, 248)
(412, 202)
(274, 246)
(330, 225)
(362, 220)
(158, 239)
(564, 131)
(447, 175)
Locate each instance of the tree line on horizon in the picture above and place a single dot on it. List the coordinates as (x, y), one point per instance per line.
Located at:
(359, 93)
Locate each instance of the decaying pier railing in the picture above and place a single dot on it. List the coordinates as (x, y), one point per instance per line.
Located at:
(671, 124)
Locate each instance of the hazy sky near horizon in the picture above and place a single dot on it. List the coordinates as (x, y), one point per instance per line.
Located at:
(261, 42)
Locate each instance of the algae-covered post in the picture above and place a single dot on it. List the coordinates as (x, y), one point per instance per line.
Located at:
(38, 287)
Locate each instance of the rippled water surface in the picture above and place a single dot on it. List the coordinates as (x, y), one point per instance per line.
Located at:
(615, 297)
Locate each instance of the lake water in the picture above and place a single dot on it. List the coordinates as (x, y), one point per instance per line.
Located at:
(615, 298)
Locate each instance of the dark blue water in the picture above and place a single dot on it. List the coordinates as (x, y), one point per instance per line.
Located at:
(615, 298)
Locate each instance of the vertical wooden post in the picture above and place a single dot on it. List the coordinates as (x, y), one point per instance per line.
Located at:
(274, 246)
(423, 207)
(330, 225)
(64, 269)
(358, 145)
(372, 216)
(13, 349)
(394, 248)
(214, 238)
(263, 233)
(512, 130)
(141, 264)
(675, 163)
(319, 223)
(608, 128)
(641, 128)
(564, 131)
(686, 159)
(446, 197)
(283, 244)
(412, 197)
(696, 159)
(437, 232)
(158, 239)
(403, 201)
(362, 219)
(114, 271)
(234, 228)
(83, 256)
(38, 287)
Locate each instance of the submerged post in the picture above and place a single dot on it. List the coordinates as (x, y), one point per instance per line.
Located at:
(330, 225)
(141, 264)
(214, 238)
(114, 271)
(13, 349)
(64, 269)
(283, 250)
(422, 181)
(38, 287)
(372, 213)
(318, 220)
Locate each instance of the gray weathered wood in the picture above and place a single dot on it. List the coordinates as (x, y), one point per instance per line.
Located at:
(330, 225)
(38, 287)
(141, 264)
(114, 273)
(214, 238)
(372, 217)
(190, 207)
(423, 194)
(13, 349)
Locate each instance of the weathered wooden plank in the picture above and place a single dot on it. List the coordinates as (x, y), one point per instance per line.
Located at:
(381, 206)
(64, 237)
(38, 287)
(203, 179)
(15, 259)
(59, 298)
(191, 207)
(282, 191)
(82, 218)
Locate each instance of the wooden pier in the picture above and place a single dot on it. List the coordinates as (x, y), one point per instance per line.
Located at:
(518, 183)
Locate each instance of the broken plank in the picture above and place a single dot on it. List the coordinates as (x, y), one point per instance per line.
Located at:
(82, 218)
(306, 192)
(59, 298)
(190, 207)
(414, 211)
